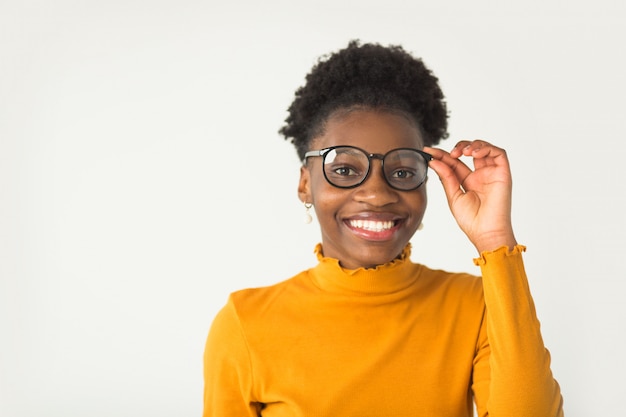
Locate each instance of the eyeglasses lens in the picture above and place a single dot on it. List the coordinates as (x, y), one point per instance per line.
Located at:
(405, 169)
(345, 167)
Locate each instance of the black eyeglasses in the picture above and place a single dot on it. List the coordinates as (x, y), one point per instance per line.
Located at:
(404, 169)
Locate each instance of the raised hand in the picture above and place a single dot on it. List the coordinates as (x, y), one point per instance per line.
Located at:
(480, 199)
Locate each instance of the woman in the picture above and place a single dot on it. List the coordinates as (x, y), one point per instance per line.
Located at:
(367, 332)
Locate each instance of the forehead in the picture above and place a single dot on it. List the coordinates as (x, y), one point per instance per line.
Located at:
(371, 130)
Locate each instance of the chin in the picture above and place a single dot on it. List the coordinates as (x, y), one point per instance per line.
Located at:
(377, 258)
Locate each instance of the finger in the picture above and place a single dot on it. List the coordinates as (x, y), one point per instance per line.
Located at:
(490, 156)
(472, 148)
(476, 149)
(449, 180)
(458, 168)
(459, 148)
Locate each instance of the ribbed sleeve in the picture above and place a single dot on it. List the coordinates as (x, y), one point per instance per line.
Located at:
(227, 370)
(512, 375)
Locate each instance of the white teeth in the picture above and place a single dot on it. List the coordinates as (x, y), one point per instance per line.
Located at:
(372, 225)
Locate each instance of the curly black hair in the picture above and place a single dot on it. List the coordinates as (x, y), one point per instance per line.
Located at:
(370, 76)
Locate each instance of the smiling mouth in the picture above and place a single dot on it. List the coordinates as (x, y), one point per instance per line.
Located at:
(372, 225)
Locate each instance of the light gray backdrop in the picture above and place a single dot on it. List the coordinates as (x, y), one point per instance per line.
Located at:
(142, 179)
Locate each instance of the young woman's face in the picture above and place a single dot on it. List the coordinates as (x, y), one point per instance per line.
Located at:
(371, 224)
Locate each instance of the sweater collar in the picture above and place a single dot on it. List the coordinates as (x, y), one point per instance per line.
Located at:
(382, 279)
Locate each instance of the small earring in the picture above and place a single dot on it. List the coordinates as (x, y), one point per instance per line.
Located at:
(307, 216)
(421, 226)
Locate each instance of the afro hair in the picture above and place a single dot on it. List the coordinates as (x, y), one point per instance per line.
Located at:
(367, 76)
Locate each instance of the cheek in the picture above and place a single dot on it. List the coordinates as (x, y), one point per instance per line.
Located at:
(422, 192)
(327, 200)
(419, 202)
(321, 190)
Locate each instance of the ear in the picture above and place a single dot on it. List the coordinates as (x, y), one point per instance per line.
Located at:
(304, 186)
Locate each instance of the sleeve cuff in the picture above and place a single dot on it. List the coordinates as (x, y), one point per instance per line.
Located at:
(500, 253)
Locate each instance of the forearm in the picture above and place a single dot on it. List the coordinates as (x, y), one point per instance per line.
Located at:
(521, 382)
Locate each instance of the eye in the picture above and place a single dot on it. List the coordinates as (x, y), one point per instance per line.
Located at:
(344, 171)
(402, 174)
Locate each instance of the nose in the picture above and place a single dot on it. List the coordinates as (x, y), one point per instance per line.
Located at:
(375, 190)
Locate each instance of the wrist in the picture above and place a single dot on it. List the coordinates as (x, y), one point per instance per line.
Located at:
(491, 242)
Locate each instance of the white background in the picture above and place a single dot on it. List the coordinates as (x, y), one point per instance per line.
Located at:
(142, 179)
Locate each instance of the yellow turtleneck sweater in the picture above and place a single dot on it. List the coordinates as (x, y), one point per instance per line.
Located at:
(396, 340)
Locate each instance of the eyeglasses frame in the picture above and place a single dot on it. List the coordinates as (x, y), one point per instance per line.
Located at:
(323, 152)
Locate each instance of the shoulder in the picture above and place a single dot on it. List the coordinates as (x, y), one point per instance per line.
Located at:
(273, 290)
(247, 304)
(456, 285)
(253, 302)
